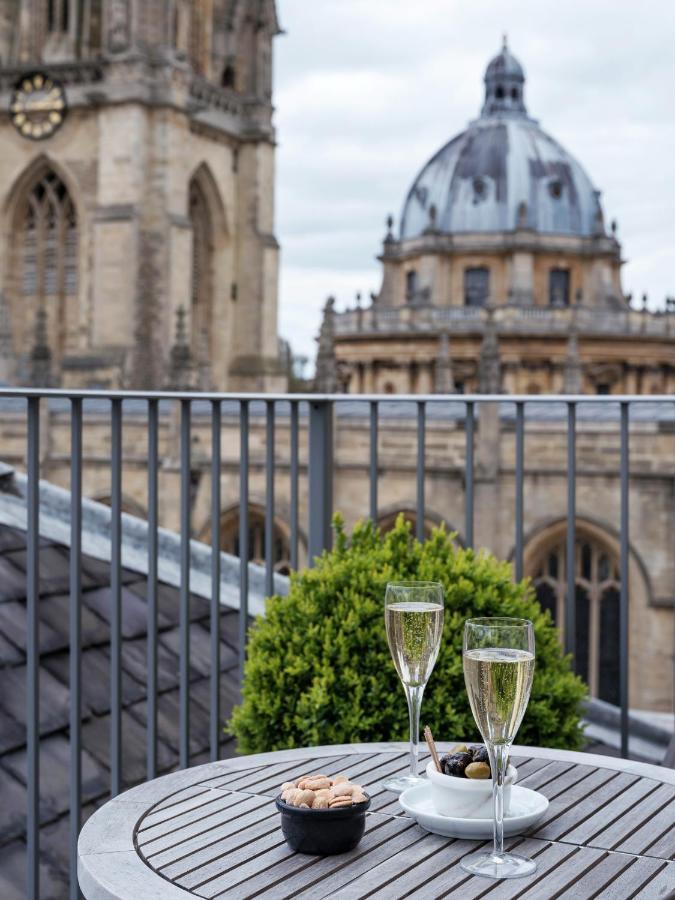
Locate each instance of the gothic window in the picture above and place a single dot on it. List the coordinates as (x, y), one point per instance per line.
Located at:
(596, 603)
(229, 539)
(476, 286)
(559, 287)
(48, 242)
(201, 275)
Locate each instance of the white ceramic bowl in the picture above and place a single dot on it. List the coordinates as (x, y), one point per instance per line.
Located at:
(466, 798)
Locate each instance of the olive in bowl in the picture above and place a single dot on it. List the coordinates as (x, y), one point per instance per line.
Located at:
(323, 832)
(463, 787)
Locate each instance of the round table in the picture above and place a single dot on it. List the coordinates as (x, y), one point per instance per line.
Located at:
(213, 831)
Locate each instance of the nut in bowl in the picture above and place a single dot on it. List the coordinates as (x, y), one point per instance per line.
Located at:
(322, 815)
(467, 793)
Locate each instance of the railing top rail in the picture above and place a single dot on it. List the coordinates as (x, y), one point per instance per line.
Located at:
(69, 394)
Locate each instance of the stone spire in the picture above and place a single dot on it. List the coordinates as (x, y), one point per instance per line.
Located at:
(326, 378)
(444, 383)
(489, 361)
(41, 354)
(180, 359)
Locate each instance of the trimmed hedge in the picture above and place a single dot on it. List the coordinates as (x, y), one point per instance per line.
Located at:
(319, 669)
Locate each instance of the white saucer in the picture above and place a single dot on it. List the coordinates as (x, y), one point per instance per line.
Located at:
(527, 807)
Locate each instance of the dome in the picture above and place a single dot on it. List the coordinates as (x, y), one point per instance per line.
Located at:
(503, 172)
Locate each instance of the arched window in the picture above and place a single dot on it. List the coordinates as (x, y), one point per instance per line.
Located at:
(201, 271)
(596, 600)
(47, 245)
(229, 538)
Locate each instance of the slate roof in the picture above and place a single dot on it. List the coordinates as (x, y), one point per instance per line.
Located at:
(54, 697)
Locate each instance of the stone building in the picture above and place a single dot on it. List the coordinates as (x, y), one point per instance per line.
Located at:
(137, 179)
(502, 255)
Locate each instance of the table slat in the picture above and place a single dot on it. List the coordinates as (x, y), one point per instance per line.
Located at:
(605, 809)
(394, 867)
(275, 881)
(639, 817)
(599, 877)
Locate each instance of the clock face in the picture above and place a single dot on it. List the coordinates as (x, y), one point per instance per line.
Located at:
(38, 106)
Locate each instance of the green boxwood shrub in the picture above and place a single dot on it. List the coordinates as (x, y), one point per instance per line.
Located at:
(319, 670)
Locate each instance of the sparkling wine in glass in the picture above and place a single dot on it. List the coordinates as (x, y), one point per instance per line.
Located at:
(413, 617)
(498, 671)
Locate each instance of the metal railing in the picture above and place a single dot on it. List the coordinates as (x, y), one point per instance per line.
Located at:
(316, 413)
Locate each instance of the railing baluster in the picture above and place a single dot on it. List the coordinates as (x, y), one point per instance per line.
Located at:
(520, 446)
(624, 595)
(294, 484)
(184, 598)
(151, 733)
(33, 653)
(215, 580)
(269, 497)
(373, 460)
(116, 599)
(421, 435)
(468, 512)
(243, 533)
(75, 637)
(320, 477)
(570, 605)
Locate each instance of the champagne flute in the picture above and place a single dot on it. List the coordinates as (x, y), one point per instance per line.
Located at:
(413, 617)
(498, 671)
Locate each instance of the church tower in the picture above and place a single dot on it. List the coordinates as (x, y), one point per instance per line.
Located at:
(137, 179)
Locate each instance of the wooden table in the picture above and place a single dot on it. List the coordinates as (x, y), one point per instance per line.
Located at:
(213, 831)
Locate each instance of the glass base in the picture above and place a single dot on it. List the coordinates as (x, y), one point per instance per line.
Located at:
(508, 865)
(401, 783)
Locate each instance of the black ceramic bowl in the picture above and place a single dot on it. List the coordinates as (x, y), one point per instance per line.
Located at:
(323, 832)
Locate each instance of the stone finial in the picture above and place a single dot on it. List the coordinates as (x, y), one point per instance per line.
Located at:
(389, 237)
(444, 382)
(41, 354)
(326, 377)
(433, 217)
(489, 361)
(614, 227)
(181, 368)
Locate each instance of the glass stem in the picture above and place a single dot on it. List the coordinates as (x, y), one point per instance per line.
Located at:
(414, 697)
(499, 761)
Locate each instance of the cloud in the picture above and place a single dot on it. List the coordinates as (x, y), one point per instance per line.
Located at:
(367, 90)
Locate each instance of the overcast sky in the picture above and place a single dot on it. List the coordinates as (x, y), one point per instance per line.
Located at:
(367, 90)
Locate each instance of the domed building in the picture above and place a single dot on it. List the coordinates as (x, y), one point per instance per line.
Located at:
(503, 276)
